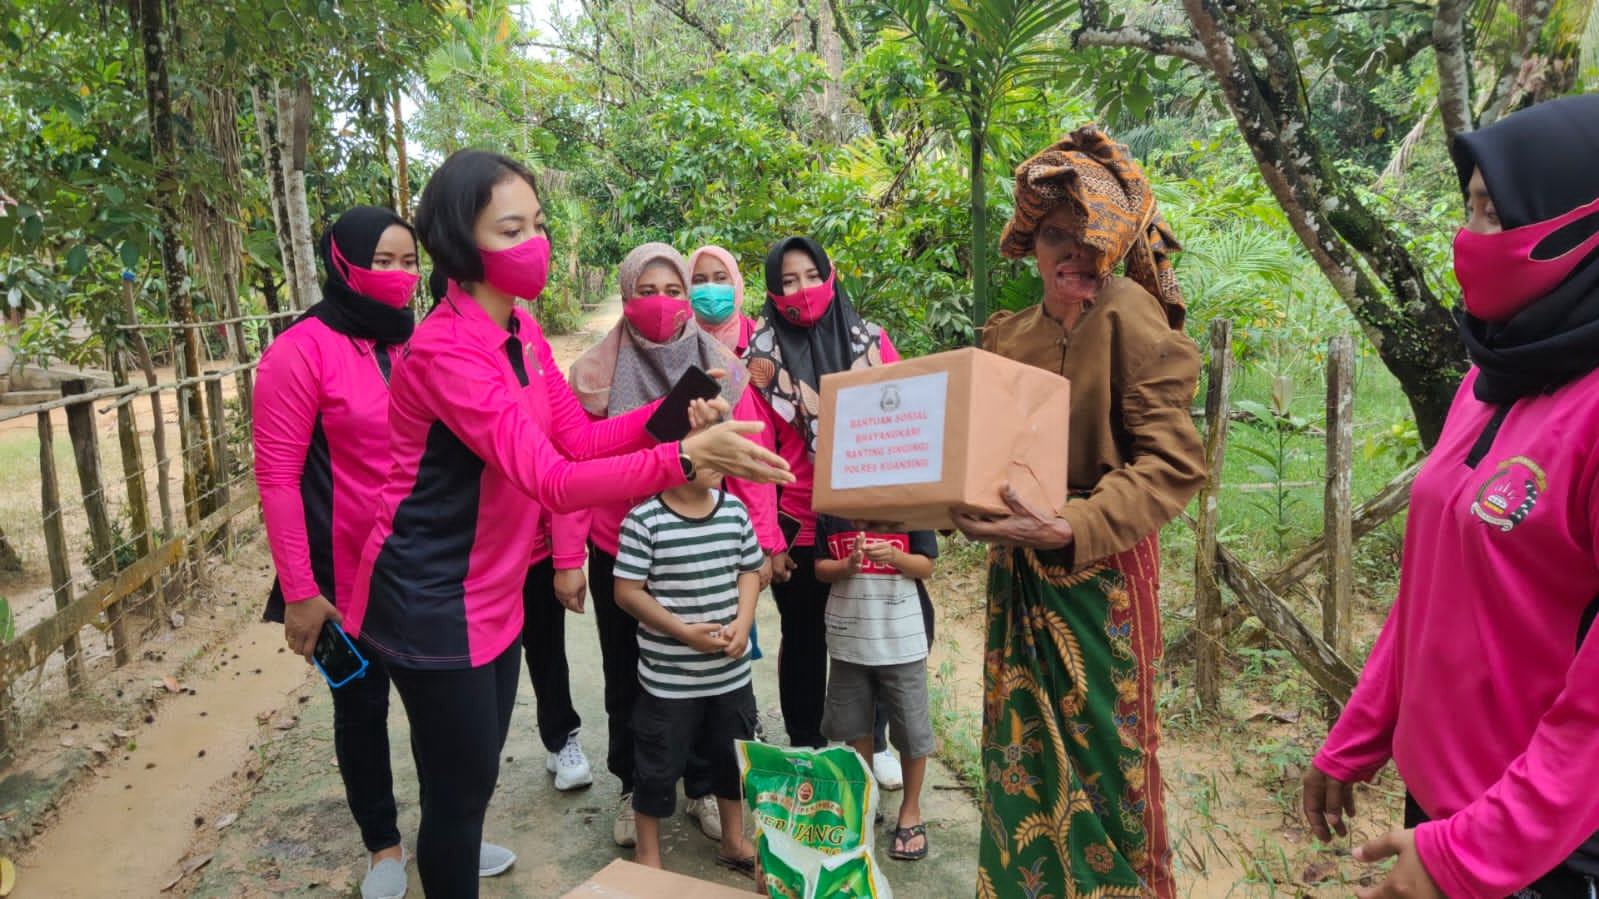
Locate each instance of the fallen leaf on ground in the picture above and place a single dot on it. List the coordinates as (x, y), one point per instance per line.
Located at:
(226, 820)
(68, 742)
(189, 867)
(8, 876)
(100, 749)
(1320, 872)
(121, 734)
(172, 685)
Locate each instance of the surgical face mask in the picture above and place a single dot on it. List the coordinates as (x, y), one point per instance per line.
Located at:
(713, 303)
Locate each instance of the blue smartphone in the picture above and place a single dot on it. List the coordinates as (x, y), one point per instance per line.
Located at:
(336, 656)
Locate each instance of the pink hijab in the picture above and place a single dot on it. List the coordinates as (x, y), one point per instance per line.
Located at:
(733, 332)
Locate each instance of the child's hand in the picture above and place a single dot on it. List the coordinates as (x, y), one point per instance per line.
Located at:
(857, 555)
(738, 639)
(706, 637)
(883, 552)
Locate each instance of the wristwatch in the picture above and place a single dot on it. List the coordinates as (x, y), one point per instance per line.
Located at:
(685, 460)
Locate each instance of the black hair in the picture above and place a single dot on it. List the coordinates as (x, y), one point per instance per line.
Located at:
(450, 204)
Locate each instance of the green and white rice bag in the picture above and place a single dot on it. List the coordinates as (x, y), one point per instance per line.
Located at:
(814, 811)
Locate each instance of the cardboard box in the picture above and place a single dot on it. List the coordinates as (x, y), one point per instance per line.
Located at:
(907, 442)
(625, 880)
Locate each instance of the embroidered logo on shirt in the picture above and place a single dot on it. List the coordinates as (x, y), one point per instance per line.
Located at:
(1507, 498)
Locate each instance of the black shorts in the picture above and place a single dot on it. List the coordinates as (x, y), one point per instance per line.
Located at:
(664, 730)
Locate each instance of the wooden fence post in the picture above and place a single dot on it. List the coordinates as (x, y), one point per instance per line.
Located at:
(133, 475)
(219, 451)
(1207, 584)
(55, 542)
(1337, 525)
(102, 559)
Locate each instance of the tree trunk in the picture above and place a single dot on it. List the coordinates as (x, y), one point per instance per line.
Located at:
(1413, 333)
(403, 182)
(294, 120)
(199, 466)
(266, 123)
(832, 54)
(1454, 70)
(9, 560)
(979, 202)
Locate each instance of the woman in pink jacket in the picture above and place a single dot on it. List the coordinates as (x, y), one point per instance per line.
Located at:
(636, 363)
(1484, 684)
(321, 448)
(483, 434)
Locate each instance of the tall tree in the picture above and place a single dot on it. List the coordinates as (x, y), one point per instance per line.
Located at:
(1256, 54)
(984, 51)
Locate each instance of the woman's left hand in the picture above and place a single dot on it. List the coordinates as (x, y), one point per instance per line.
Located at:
(571, 589)
(1408, 878)
(1026, 526)
(704, 413)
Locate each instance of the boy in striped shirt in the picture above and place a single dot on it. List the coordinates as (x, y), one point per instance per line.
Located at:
(688, 568)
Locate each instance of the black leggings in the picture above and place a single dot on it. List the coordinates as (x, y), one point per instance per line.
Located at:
(361, 744)
(544, 644)
(459, 720)
(802, 655)
(619, 658)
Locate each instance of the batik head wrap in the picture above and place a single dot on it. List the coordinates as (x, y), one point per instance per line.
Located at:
(1111, 194)
(626, 370)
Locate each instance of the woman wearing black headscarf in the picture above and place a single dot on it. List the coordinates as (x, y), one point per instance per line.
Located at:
(1481, 687)
(809, 329)
(321, 451)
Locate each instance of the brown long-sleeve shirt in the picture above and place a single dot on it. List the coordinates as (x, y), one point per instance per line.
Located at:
(1133, 447)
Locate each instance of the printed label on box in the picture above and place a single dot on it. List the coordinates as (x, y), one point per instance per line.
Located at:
(890, 433)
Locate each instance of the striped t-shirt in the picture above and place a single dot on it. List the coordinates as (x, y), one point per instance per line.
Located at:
(691, 567)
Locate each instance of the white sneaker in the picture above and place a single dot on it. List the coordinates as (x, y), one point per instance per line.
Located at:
(625, 831)
(708, 813)
(570, 766)
(493, 860)
(385, 880)
(885, 767)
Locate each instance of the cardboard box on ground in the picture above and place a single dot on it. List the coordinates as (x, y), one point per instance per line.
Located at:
(905, 443)
(625, 880)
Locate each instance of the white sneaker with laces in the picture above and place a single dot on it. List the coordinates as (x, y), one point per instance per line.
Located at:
(885, 767)
(569, 765)
(708, 813)
(625, 831)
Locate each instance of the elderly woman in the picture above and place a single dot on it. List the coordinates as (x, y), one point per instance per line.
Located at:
(1073, 793)
(1481, 685)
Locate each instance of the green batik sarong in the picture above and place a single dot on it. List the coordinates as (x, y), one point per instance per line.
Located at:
(1072, 801)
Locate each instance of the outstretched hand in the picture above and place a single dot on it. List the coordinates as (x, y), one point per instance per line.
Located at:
(1026, 526)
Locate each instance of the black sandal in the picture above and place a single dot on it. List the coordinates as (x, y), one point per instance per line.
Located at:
(902, 837)
(744, 866)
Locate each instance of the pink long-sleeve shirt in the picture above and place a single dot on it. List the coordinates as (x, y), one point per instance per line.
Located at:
(321, 443)
(605, 522)
(1477, 686)
(483, 431)
(794, 500)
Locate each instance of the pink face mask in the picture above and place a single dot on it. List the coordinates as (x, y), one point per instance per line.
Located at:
(520, 271)
(805, 306)
(657, 317)
(1497, 272)
(391, 287)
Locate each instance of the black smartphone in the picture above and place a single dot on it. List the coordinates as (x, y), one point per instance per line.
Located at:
(669, 422)
(790, 527)
(336, 656)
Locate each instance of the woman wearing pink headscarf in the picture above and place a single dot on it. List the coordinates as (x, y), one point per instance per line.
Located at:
(717, 295)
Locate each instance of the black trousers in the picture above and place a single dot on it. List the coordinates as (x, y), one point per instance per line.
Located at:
(674, 731)
(544, 645)
(802, 656)
(1561, 883)
(459, 720)
(619, 657)
(361, 744)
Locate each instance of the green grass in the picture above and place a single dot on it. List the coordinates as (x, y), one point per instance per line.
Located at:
(960, 733)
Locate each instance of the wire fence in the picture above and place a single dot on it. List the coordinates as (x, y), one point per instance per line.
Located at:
(113, 498)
